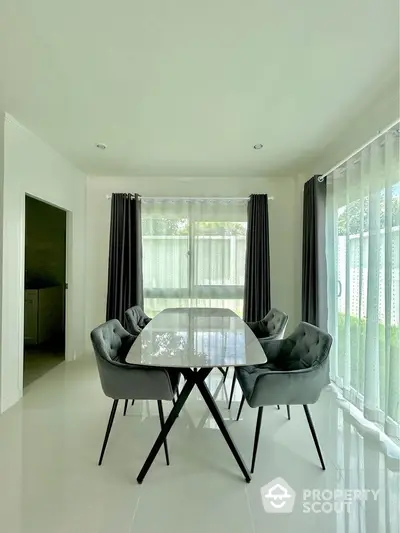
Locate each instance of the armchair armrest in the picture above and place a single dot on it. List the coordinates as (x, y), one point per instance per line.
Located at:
(124, 381)
(296, 387)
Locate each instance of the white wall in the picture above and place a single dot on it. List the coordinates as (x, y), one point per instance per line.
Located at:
(2, 125)
(285, 230)
(32, 167)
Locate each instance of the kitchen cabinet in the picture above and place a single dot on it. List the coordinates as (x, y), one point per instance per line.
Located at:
(43, 314)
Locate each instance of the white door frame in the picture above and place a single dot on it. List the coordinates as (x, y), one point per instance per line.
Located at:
(69, 352)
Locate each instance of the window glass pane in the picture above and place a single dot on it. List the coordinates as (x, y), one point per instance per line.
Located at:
(193, 254)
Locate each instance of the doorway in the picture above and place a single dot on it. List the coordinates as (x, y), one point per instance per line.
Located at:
(45, 284)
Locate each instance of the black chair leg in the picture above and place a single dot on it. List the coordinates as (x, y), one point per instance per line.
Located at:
(288, 411)
(314, 435)
(278, 406)
(240, 407)
(108, 430)
(232, 390)
(256, 438)
(125, 407)
(161, 414)
(133, 401)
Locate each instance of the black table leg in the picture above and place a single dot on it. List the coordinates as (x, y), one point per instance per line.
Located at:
(204, 418)
(220, 422)
(224, 371)
(232, 389)
(183, 396)
(193, 377)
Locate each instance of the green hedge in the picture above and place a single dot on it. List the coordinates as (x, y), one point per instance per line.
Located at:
(389, 366)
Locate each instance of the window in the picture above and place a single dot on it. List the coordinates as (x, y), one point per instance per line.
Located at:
(193, 253)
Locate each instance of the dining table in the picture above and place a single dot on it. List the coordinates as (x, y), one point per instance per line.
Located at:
(195, 341)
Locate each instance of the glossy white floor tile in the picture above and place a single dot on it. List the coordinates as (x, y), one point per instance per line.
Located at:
(50, 481)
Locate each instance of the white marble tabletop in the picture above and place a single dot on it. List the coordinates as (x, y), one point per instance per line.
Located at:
(196, 337)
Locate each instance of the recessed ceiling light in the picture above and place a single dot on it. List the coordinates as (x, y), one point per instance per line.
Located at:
(101, 146)
(258, 146)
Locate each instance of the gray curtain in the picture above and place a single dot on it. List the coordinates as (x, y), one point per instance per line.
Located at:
(314, 280)
(125, 277)
(257, 286)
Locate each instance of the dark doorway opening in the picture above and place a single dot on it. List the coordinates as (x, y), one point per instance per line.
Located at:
(45, 284)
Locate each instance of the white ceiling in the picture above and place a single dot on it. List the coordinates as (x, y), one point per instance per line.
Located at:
(185, 87)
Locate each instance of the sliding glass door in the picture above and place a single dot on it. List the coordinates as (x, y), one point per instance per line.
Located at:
(193, 253)
(363, 256)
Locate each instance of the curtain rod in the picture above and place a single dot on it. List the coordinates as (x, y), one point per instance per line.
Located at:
(383, 132)
(108, 196)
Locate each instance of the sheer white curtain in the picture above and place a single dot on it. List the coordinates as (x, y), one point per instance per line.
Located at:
(363, 259)
(365, 465)
(193, 253)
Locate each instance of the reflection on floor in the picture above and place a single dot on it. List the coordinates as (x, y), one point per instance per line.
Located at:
(38, 360)
(50, 482)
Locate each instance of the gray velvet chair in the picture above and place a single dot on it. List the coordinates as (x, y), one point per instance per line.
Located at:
(294, 374)
(271, 327)
(136, 319)
(122, 381)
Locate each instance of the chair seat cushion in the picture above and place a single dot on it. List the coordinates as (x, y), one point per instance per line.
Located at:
(256, 368)
(259, 329)
(247, 376)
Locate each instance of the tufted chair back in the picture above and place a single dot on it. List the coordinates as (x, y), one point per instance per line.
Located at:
(272, 326)
(111, 341)
(306, 347)
(136, 319)
(275, 322)
(123, 381)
